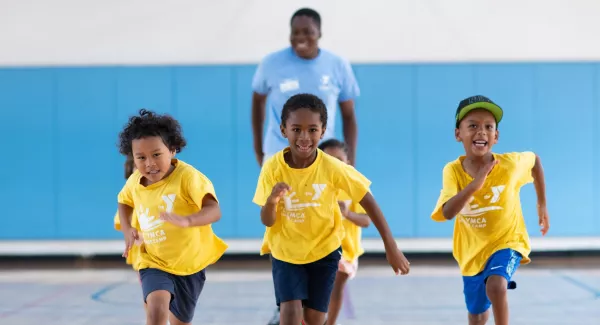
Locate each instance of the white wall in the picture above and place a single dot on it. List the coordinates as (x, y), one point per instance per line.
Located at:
(74, 32)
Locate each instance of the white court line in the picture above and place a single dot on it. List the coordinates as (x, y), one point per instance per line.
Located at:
(89, 248)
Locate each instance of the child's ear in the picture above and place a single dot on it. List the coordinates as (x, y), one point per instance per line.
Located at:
(457, 135)
(322, 133)
(282, 129)
(496, 136)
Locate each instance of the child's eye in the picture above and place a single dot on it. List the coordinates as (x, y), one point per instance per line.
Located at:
(296, 129)
(140, 158)
(156, 154)
(313, 130)
(491, 127)
(472, 126)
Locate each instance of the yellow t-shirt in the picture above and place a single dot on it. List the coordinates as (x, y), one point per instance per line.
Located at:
(308, 225)
(493, 219)
(351, 244)
(176, 250)
(133, 256)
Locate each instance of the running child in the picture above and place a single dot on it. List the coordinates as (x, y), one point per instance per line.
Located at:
(354, 219)
(135, 249)
(482, 189)
(298, 189)
(175, 206)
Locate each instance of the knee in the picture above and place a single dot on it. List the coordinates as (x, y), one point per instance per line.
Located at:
(496, 287)
(157, 305)
(290, 311)
(478, 319)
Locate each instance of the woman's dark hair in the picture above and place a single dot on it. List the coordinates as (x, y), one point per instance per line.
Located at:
(304, 101)
(150, 124)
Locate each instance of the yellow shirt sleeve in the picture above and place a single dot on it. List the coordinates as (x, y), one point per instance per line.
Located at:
(264, 186)
(525, 162)
(449, 190)
(198, 186)
(117, 222)
(352, 182)
(125, 196)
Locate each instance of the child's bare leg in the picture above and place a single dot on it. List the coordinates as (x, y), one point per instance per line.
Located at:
(337, 296)
(157, 310)
(495, 289)
(479, 319)
(313, 317)
(290, 312)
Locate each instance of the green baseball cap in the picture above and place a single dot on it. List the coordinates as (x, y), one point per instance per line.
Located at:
(474, 102)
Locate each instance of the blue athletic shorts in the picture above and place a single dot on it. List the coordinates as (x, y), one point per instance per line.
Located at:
(311, 283)
(185, 290)
(503, 263)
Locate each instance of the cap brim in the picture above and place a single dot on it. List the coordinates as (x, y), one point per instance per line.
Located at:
(490, 107)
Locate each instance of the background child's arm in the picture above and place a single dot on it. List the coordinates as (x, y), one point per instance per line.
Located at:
(359, 219)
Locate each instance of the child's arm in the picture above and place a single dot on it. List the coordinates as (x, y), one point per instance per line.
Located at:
(208, 214)
(540, 189)
(125, 212)
(268, 212)
(453, 206)
(376, 215)
(360, 219)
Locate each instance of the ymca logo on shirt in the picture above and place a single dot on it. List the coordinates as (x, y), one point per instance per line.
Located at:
(472, 214)
(150, 224)
(289, 85)
(295, 204)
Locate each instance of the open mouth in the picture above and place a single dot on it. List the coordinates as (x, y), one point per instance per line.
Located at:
(304, 148)
(153, 172)
(480, 143)
(302, 45)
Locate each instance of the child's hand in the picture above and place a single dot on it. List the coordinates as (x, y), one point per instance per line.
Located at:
(544, 218)
(172, 218)
(484, 171)
(344, 208)
(278, 192)
(397, 260)
(131, 237)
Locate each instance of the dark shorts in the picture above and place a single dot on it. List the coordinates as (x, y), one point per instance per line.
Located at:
(311, 283)
(184, 290)
(503, 263)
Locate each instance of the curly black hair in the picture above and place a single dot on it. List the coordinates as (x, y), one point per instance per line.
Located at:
(306, 101)
(311, 13)
(333, 143)
(150, 124)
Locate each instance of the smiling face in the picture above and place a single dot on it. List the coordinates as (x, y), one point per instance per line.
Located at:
(303, 129)
(152, 158)
(477, 131)
(305, 36)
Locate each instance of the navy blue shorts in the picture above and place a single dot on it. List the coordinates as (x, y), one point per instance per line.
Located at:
(184, 290)
(311, 283)
(503, 263)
